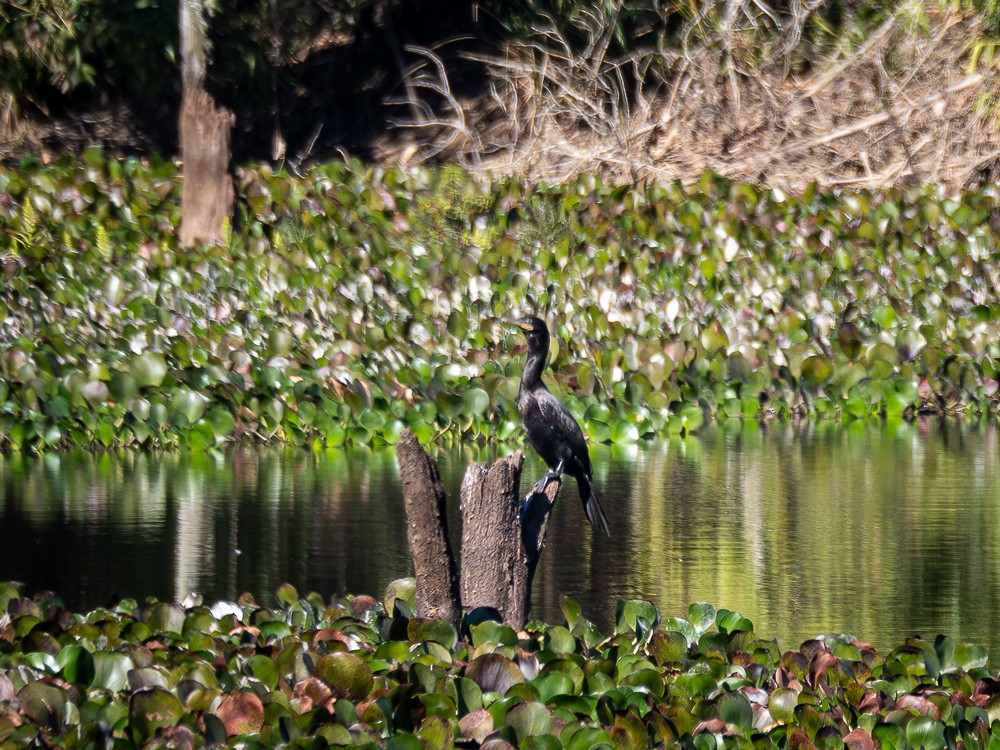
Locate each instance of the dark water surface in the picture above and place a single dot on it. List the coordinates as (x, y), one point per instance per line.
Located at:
(874, 531)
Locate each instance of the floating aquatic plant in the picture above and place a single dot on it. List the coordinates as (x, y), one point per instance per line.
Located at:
(349, 303)
(356, 671)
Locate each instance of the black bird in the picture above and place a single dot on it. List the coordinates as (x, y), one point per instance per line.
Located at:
(552, 431)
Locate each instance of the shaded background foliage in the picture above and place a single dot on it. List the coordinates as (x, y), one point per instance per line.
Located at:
(319, 72)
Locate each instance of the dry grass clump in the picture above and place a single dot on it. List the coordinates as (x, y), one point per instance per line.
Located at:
(914, 103)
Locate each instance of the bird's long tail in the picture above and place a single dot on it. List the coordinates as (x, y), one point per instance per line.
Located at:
(592, 506)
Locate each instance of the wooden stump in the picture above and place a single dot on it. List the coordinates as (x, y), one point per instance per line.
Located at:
(427, 532)
(501, 544)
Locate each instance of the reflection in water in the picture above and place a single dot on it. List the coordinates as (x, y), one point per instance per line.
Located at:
(879, 532)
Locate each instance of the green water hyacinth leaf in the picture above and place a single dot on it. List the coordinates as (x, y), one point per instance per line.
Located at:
(782, 704)
(218, 679)
(810, 331)
(571, 611)
(682, 626)
(402, 589)
(470, 695)
(702, 616)
(624, 432)
(149, 369)
(636, 616)
(151, 709)
(668, 646)
(287, 594)
(111, 670)
(433, 630)
(262, 668)
(164, 617)
(76, 664)
(734, 710)
(969, 657)
(560, 641)
(925, 733)
(551, 685)
(528, 719)
(729, 622)
(476, 400)
(492, 632)
(47, 705)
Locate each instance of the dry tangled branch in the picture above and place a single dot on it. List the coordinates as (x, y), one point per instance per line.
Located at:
(905, 106)
(435, 110)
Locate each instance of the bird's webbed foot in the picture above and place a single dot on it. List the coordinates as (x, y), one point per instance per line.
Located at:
(544, 482)
(553, 475)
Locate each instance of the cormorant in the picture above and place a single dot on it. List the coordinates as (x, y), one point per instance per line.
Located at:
(552, 431)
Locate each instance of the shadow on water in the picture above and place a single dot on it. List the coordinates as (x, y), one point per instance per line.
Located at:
(877, 531)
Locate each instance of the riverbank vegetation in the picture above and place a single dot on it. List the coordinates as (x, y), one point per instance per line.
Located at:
(777, 92)
(352, 302)
(369, 673)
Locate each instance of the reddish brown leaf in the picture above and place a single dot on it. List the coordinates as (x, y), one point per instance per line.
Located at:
(919, 704)
(859, 739)
(177, 737)
(987, 686)
(325, 635)
(959, 698)
(361, 604)
(477, 725)
(810, 648)
(784, 678)
(799, 741)
(712, 726)
(822, 661)
(241, 713)
(870, 704)
(311, 693)
(795, 663)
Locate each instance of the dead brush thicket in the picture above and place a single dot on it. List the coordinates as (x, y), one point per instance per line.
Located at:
(910, 105)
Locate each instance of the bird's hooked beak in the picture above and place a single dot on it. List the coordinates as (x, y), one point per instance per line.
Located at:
(521, 323)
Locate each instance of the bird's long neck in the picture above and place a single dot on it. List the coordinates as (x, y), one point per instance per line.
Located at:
(531, 378)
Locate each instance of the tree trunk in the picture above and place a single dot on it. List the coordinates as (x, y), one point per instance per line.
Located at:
(501, 543)
(207, 197)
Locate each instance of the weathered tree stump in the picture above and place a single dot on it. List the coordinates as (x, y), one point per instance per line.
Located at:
(427, 532)
(501, 544)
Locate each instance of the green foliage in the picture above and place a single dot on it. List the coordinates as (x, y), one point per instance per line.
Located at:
(312, 673)
(351, 303)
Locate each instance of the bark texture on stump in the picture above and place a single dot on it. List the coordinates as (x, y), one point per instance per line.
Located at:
(427, 532)
(490, 530)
